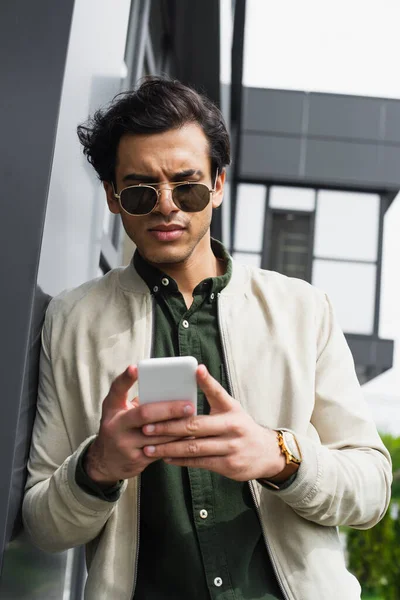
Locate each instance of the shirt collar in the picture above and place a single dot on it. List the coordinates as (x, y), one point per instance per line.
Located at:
(159, 282)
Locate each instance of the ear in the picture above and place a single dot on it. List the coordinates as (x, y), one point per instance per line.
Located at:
(219, 190)
(112, 201)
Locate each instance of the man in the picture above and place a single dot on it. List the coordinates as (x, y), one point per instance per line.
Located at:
(243, 500)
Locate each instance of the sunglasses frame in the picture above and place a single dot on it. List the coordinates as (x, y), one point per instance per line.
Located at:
(158, 193)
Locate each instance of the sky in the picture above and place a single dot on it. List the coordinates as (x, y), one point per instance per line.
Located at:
(346, 47)
(341, 46)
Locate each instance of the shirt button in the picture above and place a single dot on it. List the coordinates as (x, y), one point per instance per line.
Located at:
(185, 324)
(203, 513)
(218, 581)
(212, 296)
(155, 288)
(165, 281)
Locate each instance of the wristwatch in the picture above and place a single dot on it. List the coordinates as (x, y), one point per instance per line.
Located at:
(290, 449)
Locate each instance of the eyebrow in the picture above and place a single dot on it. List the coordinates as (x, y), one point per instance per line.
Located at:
(179, 176)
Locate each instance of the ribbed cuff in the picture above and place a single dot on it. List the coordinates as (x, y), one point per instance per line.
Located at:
(110, 494)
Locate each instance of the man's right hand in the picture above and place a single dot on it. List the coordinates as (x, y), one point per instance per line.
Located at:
(117, 451)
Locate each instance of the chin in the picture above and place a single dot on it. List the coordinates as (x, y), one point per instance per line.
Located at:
(166, 255)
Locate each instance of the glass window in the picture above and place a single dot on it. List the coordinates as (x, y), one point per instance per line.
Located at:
(351, 287)
(292, 198)
(248, 258)
(347, 225)
(250, 217)
(290, 244)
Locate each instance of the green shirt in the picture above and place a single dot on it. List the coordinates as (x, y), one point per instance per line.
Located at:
(200, 535)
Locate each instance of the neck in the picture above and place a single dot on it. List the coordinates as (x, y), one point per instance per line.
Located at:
(200, 265)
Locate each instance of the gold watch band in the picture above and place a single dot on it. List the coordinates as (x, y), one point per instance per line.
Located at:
(292, 464)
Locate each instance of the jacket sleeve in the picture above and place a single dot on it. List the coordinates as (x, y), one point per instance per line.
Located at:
(345, 478)
(57, 513)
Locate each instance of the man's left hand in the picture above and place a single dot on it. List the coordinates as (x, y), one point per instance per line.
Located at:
(227, 441)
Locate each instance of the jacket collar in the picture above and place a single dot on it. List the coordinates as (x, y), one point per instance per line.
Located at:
(131, 281)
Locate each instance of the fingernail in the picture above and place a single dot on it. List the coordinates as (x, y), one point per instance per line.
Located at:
(149, 428)
(150, 449)
(188, 409)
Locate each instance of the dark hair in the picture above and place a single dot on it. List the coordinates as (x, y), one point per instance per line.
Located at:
(158, 105)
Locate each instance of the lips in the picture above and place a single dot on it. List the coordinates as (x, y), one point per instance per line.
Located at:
(170, 227)
(167, 233)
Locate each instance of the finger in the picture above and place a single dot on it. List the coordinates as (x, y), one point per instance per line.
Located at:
(217, 397)
(188, 448)
(144, 440)
(134, 403)
(156, 412)
(197, 426)
(117, 397)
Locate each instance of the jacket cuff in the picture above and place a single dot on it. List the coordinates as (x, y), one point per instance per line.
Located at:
(307, 479)
(110, 494)
(277, 486)
(83, 497)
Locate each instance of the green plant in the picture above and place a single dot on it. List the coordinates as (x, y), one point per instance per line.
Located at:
(393, 445)
(374, 554)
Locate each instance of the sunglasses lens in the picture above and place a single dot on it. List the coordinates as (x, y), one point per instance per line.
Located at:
(138, 200)
(191, 197)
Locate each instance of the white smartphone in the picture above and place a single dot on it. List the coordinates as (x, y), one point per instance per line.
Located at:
(171, 378)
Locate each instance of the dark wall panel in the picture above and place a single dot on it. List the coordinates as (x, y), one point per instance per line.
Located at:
(390, 165)
(344, 116)
(272, 111)
(263, 156)
(392, 122)
(320, 139)
(341, 162)
(33, 48)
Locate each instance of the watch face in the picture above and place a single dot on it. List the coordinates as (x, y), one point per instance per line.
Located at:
(291, 445)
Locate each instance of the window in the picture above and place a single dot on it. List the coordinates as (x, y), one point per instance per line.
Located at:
(350, 217)
(346, 254)
(292, 198)
(249, 223)
(290, 244)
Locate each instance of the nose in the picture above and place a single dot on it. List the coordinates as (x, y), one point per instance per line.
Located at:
(165, 203)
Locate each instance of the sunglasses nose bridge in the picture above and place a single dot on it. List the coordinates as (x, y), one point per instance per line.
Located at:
(165, 199)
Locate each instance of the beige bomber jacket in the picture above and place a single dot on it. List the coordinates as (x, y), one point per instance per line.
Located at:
(288, 365)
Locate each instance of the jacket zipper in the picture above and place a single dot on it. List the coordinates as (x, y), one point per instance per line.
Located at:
(273, 561)
(253, 495)
(139, 477)
(138, 539)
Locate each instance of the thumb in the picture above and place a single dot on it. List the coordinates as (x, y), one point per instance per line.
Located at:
(217, 397)
(117, 398)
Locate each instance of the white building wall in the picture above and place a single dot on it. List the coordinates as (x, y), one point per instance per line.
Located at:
(76, 204)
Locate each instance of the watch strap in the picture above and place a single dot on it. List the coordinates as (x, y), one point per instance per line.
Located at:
(291, 467)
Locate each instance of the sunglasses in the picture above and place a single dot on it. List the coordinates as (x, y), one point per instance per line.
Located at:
(142, 199)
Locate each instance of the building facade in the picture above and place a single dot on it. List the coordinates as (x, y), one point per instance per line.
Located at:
(314, 177)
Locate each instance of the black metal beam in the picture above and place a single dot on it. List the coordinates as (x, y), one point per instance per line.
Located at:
(196, 45)
(383, 204)
(236, 104)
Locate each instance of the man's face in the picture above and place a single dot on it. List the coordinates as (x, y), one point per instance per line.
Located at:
(167, 235)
